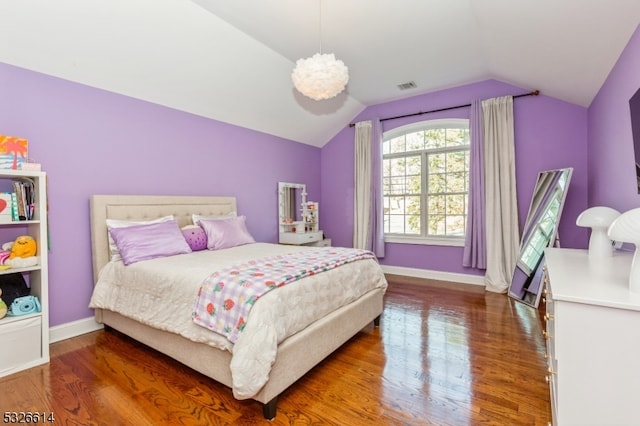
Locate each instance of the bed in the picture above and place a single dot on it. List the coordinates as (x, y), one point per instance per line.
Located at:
(211, 354)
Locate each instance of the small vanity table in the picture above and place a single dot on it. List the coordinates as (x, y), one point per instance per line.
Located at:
(298, 219)
(592, 335)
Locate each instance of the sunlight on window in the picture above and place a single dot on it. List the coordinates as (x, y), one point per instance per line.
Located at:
(426, 179)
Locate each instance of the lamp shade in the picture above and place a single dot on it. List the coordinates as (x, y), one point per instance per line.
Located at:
(320, 77)
(598, 219)
(626, 228)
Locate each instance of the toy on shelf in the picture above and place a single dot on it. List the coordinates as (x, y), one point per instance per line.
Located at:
(22, 252)
(3, 306)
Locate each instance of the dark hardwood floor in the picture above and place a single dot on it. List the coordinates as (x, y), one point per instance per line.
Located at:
(442, 356)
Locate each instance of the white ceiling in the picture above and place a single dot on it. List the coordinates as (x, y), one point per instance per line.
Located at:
(231, 60)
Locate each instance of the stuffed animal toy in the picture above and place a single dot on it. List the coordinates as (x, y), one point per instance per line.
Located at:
(23, 246)
(3, 307)
(195, 237)
(22, 252)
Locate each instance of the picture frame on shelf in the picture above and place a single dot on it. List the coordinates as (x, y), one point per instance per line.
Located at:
(14, 152)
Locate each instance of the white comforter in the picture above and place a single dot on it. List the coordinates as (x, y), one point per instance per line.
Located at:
(161, 293)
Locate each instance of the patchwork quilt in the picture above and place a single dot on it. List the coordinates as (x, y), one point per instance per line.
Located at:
(226, 297)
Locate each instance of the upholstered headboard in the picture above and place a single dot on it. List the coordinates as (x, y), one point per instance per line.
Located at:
(146, 207)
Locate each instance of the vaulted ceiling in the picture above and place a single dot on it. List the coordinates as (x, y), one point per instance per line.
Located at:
(231, 60)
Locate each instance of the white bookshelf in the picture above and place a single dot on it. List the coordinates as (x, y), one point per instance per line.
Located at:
(25, 338)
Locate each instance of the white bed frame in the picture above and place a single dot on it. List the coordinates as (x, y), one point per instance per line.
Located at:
(296, 355)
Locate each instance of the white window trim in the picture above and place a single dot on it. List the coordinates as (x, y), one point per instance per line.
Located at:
(431, 241)
(453, 123)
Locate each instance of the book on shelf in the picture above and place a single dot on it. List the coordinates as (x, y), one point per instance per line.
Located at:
(14, 207)
(24, 189)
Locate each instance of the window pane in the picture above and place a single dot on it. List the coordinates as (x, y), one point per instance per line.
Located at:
(414, 184)
(436, 225)
(456, 182)
(397, 167)
(437, 183)
(397, 144)
(455, 204)
(396, 186)
(414, 165)
(457, 161)
(396, 205)
(437, 205)
(434, 138)
(455, 225)
(413, 225)
(415, 141)
(412, 205)
(437, 163)
(396, 224)
(457, 137)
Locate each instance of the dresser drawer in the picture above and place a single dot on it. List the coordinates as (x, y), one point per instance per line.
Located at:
(302, 238)
(549, 320)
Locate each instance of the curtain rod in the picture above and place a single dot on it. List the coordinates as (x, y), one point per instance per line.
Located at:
(534, 93)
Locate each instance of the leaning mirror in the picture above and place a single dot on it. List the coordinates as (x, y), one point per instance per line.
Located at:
(540, 231)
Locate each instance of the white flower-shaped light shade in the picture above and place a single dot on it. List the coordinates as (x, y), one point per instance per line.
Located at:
(320, 77)
(626, 228)
(598, 219)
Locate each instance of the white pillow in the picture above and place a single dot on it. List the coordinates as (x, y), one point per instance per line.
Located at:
(114, 254)
(195, 218)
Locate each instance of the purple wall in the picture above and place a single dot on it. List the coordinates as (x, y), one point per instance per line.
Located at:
(612, 176)
(549, 134)
(91, 141)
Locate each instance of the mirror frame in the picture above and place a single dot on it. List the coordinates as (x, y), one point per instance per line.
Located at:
(526, 283)
(634, 110)
(286, 206)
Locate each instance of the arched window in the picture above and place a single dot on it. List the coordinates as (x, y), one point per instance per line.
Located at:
(426, 182)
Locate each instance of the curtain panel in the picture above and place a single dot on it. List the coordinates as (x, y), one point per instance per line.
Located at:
(500, 193)
(475, 244)
(368, 231)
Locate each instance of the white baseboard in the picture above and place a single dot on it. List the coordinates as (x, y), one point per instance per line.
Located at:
(73, 329)
(434, 275)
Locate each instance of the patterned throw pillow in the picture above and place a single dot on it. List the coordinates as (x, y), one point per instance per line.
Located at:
(195, 237)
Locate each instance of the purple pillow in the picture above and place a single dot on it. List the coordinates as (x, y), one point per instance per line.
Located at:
(195, 237)
(143, 242)
(226, 233)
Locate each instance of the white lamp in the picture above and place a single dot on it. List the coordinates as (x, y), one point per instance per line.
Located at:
(320, 76)
(598, 219)
(626, 228)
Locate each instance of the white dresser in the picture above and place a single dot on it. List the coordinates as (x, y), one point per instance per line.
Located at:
(593, 339)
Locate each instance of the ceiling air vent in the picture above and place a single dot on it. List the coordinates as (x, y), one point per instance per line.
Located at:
(407, 85)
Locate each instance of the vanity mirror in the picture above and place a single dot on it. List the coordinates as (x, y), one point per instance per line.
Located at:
(540, 231)
(297, 218)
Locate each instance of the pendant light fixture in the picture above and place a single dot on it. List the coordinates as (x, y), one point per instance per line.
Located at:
(320, 76)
